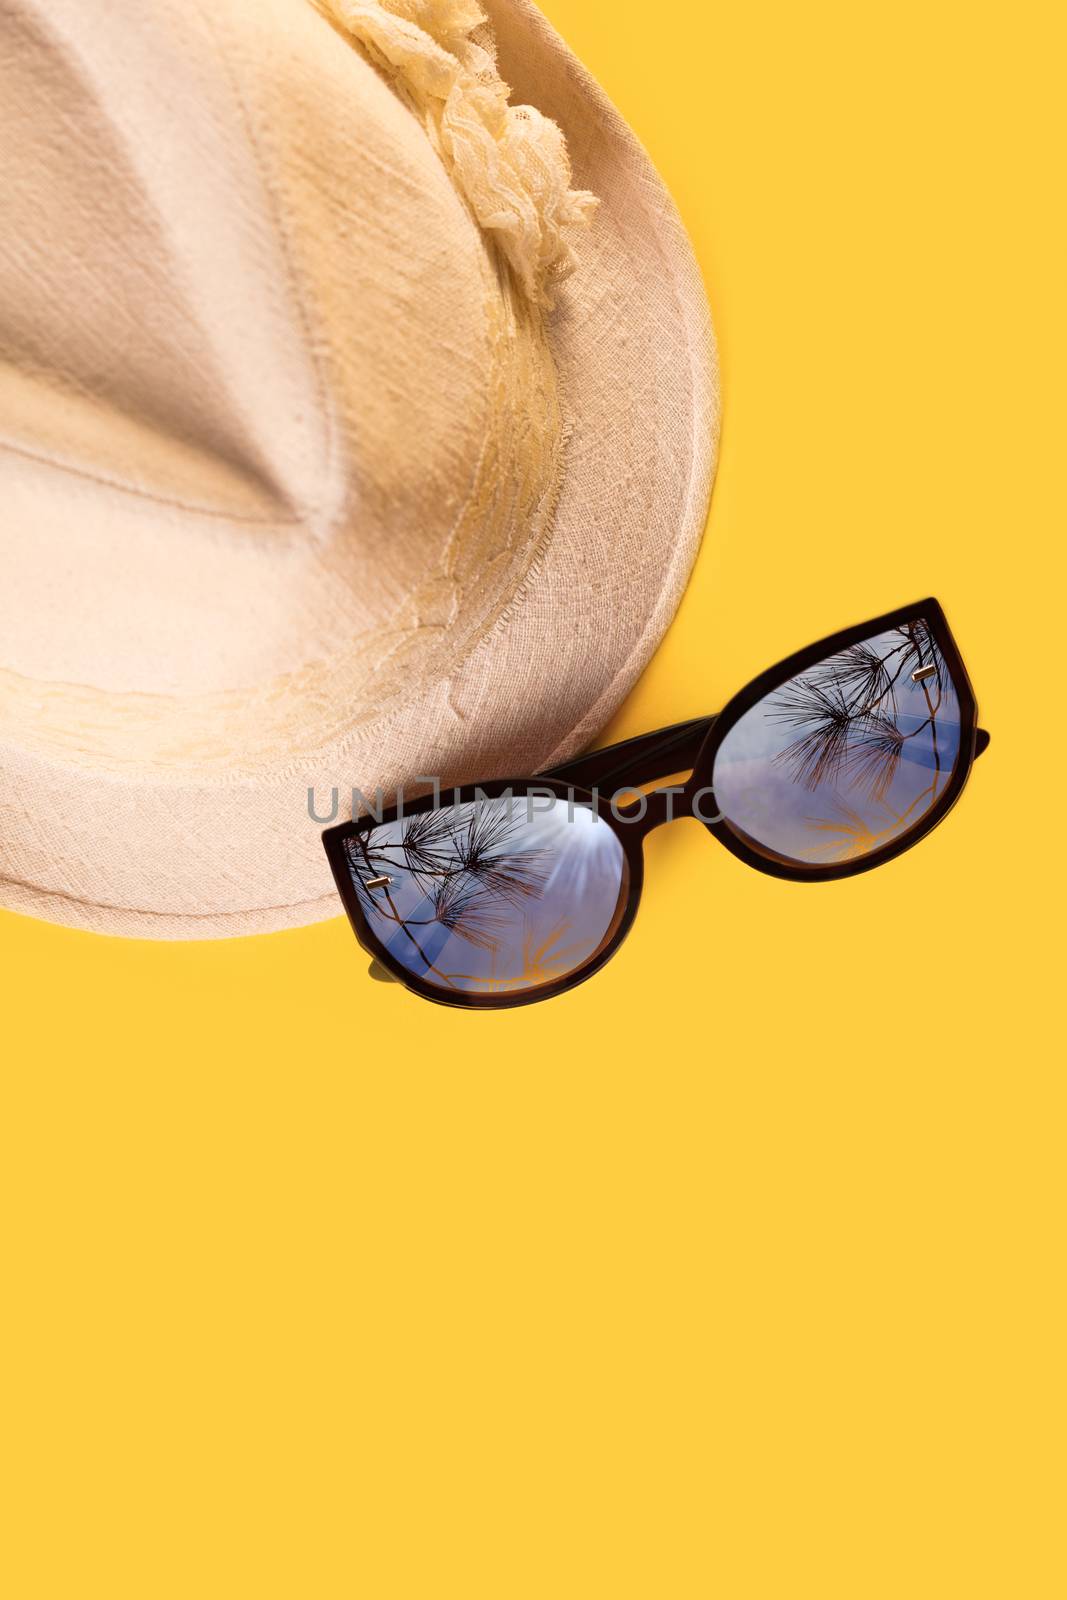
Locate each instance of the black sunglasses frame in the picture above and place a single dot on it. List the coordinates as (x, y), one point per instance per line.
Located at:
(650, 758)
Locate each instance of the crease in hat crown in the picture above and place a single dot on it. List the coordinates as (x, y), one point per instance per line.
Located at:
(510, 163)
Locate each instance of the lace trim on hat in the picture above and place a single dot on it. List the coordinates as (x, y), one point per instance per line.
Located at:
(509, 162)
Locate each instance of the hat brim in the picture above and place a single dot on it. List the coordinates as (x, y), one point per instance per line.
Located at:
(635, 353)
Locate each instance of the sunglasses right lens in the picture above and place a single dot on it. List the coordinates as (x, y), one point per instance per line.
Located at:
(492, 896)
(847, 756)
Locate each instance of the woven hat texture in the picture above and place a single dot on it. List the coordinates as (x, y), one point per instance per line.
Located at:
(358, 417)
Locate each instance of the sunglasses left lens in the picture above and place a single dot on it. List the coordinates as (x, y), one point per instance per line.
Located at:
(492, 896)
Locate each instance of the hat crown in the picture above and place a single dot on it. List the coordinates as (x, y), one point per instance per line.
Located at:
(261, 354)
(292, 495)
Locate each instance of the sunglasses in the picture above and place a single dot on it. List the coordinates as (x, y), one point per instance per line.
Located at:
(832, 762)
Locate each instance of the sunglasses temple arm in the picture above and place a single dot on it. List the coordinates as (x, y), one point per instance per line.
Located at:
(981, 742)
(646, 759)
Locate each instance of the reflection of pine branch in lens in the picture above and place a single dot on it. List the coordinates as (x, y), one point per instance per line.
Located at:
(423, 850)
(468, 840)
(844, 709)
(868, 677)
(462, 905)
(548, 959)
(464, 862)
(837, 703)
(427, 843)
(922, 638)
(853, 833)
(846, 833)
(859, 673)
(921, 649)
(873, 756)
(363, 865)
(487, 874)
(820, 707)
(542, 962)
(485, 852)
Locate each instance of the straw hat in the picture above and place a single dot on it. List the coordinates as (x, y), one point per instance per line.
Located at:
(344, 437)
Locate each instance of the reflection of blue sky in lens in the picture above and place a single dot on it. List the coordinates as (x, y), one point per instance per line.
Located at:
(491, 895)
(847, 755)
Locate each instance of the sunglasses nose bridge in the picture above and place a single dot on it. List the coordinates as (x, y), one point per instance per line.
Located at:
(659, 806)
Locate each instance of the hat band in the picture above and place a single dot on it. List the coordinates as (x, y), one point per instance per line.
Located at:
(509, 163)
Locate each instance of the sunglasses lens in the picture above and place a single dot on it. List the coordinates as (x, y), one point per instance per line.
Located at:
(847, 756)
(493, 896)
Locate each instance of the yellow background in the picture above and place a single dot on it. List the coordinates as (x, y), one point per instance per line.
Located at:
(738, 1271)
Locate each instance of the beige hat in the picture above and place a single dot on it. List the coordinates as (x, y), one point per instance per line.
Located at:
(343, 436)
